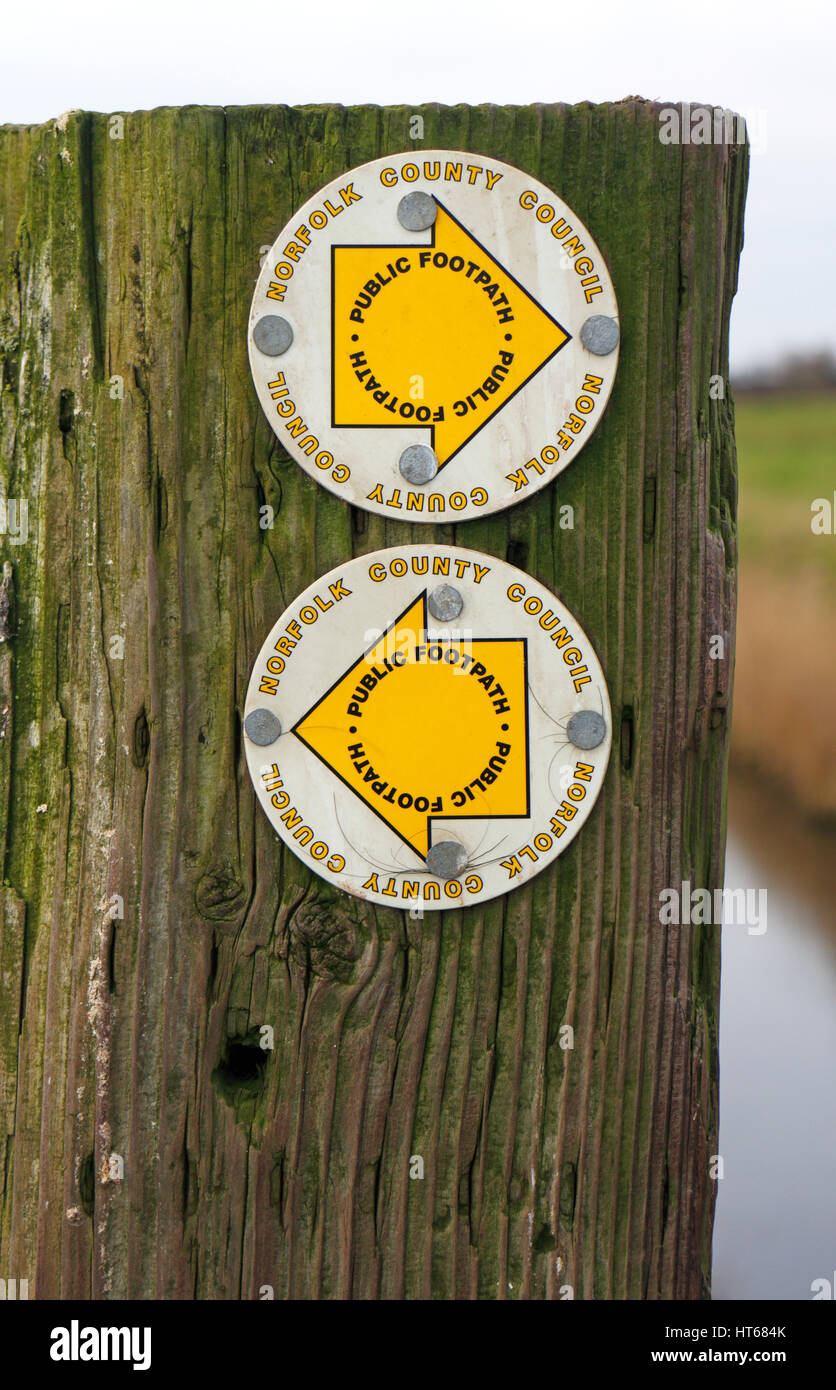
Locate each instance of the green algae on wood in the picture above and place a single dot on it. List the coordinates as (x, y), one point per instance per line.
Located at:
(129, 423)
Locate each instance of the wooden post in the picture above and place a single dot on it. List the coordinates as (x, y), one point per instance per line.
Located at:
(151, 922)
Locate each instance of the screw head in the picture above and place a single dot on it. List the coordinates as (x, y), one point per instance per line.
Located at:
(586, 729)
(262, 727)
(417, 211)
(600, 334)
(272, 335)
(446, 603)
(418, 464)
(446, 859)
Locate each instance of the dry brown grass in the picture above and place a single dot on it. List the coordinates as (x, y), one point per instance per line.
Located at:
(784, 724)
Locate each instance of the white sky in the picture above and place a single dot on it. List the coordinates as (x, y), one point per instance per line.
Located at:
(775, 63)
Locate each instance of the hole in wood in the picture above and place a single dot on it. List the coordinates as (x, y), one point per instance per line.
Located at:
(517, 554)
(627, 730)
(66, 412)
(240, 1071)
(142, 740)
(87, 1183)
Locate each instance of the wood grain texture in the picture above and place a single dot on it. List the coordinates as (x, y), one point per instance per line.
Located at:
(544, 1168)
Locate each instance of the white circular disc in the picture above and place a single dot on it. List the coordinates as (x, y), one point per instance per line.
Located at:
(467, 336)
(394, 734)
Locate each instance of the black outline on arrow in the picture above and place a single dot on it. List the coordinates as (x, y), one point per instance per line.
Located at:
(411, 245)
(295, 730)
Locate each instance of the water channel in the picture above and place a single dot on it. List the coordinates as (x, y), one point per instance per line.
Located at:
(775, 1227)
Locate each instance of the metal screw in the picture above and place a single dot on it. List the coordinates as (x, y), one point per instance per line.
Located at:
(446, 603)
(262, 727)
(417, 211)
(586, 729)
(600, 334)
(446, 859)
(418, 464)
(272, 335)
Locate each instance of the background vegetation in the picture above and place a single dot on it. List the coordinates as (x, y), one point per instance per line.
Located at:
(785, 678)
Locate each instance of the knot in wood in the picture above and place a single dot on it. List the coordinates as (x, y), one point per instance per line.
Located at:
(220, 895)
(324, 937)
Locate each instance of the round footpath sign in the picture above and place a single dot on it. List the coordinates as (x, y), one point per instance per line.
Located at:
(427, 727)
(434, 336)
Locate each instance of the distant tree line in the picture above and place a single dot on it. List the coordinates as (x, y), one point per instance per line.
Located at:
(813, 371)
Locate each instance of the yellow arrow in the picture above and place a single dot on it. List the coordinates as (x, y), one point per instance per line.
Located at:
(420, 728)
(439, 335)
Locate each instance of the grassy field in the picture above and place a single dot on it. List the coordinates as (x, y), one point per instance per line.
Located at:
(787, 457)
(785, 681)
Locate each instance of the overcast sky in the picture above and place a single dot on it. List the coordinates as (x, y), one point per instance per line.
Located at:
(774, 63)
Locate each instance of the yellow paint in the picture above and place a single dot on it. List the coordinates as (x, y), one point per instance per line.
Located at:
(420, 340)
(433, 730)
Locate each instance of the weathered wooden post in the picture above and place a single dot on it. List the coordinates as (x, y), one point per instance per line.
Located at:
(157, 1142)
